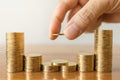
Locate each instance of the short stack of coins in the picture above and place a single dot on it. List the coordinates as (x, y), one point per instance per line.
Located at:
(60, 63)
(71, 67)
(104, 51)
(33, 62)
(48, 67)
(15, 51)
(85, 62)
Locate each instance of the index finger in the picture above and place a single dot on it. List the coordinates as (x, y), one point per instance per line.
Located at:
(59, 15)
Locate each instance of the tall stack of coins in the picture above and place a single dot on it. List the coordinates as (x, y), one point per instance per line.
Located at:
(33, 63)
(15, 51)
(85, 62)
(95, 40)
(104, 51)
(95, 46)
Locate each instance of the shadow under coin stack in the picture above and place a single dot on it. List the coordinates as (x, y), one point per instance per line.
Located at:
(85, 62)
(33, 62)
(103, 50)
(15, 51)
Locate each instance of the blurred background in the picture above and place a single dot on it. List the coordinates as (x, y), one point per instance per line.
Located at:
(33, 18)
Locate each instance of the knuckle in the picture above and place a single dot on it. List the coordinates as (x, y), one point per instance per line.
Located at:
(85, 18)
(114, 5)
(59, 18)
(70, 3)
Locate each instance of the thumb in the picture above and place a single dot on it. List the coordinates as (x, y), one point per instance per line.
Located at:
(82, 19)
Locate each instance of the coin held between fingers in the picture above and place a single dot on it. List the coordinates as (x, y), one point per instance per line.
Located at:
(61, 34)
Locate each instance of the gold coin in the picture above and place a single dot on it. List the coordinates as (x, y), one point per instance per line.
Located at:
(58, 34)
(59, 62)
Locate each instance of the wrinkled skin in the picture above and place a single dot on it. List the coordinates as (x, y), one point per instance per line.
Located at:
(84, 16)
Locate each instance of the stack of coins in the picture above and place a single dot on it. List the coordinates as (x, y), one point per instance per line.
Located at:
(104, 51)
(48, 67)
(85, 62)
(15, 51)
(58, 65)
(95, 46)
(33, 62)
(95, 40)
(71, 67)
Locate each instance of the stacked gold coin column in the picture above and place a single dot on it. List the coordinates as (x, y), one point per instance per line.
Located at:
(104, 51)
(85, 62)
(33, 63)
(95, 46)
(15, 51)
(95, 40)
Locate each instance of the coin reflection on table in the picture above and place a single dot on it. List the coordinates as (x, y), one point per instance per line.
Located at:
(69, 76)
(53, 76)
(10, 76)
(15, 76)
(47, 76)
(87, 76)
(104, 76)
(34, 76)
(28, 76)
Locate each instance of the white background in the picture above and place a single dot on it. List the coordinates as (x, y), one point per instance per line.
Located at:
(33, 17)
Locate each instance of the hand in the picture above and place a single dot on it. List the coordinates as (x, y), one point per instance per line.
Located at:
(84, 16)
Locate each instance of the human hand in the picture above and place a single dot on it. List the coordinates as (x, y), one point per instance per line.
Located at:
(84, 16)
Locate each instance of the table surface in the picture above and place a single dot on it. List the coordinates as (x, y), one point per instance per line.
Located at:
(67, 52)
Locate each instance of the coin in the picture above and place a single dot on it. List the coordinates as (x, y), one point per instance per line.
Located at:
(61, 34)
(59, 62)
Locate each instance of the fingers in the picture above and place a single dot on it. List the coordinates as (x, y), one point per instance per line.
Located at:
(83, 2)
(59, 15)
(82, 19)
(93, 26)
(115, 18)
(74, 11)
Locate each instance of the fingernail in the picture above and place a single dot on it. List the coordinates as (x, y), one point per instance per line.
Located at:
(72, 31)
